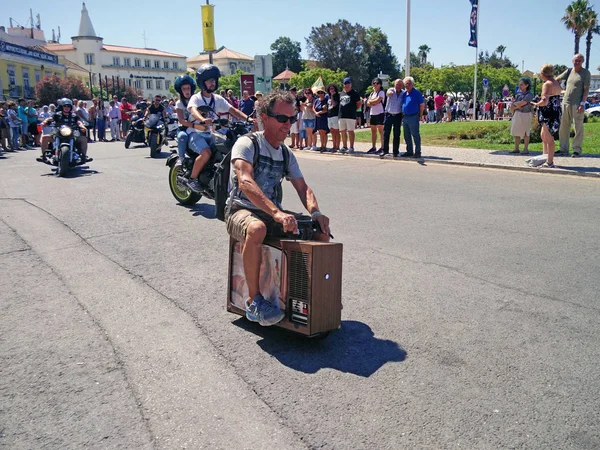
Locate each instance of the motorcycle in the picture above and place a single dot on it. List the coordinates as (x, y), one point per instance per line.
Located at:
(64, 155)
(155, 131)
(136, 132)
(223, 136)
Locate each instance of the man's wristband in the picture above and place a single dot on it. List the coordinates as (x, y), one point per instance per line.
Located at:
(315, 214)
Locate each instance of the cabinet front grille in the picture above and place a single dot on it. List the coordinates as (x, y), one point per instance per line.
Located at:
(298, 286)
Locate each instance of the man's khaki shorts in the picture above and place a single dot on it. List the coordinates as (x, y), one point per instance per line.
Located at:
(238, 221)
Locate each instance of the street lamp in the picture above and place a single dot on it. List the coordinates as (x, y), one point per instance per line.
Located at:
(407, 71)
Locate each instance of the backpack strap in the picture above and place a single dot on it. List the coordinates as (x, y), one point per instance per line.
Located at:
(285, 152)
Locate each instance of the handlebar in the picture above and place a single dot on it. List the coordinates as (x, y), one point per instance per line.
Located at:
(308, 226)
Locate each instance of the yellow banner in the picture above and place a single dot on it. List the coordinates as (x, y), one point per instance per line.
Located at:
(318, 85)
(208, 28)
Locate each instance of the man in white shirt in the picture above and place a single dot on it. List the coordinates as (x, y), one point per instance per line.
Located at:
(207, 79)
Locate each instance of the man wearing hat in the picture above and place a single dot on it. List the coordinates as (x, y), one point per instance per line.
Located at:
(349, 103)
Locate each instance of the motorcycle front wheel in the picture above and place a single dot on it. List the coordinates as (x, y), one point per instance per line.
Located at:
(128, 140)
(182, 194)
(153, 141)
(63, 161)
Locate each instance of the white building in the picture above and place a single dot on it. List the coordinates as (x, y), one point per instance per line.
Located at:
(150, 70)
(228, 61)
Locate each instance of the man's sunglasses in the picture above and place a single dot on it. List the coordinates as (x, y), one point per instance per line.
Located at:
(282, 118)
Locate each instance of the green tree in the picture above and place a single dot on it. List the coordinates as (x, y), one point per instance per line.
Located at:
(559, 68)
(231, 82)
(501, 49)
(286, 54)
(52, 88)
(379, 54)
(574, 20)
(341, 46)
(423, 52)
(306, 78)
(591, 24)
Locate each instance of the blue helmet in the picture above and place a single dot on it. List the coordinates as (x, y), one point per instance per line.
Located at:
(207, 72)
(184, 79)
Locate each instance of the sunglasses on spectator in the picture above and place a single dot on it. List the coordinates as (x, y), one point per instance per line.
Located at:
(282, 118)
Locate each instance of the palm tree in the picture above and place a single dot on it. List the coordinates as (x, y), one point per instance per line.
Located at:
(501, 49)
(574, 19)
(423, 51)
(591, 23)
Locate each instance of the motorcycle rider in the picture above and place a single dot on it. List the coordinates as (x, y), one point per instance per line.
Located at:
(156, 108)
(66, 116)
(185, 87)
(253, 211)
(207, 79)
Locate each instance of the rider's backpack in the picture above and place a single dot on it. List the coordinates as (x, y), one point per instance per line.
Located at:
(223, 171)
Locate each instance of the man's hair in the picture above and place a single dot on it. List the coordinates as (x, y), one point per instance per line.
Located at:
(266, 105)
(411, 79)
(580, 56)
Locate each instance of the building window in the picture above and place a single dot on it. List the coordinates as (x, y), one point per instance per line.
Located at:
(127, 62)
(157, 64)
(116, 61)
(146, 63)
(38, 76)
(129, 82)
(148, 84)
(89, 59)
(47, 73)
(175, 65)
(25, 77)
(12, 76)
(138, 84)
(137, 62)
(165, 64)
(167, 84)
(158, 84)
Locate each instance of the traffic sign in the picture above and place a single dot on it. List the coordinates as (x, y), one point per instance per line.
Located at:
(485, 82)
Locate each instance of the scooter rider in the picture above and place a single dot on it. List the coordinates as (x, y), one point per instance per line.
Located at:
(66, 116)
(207, 79)
(185, 87)
(156, 108)
(253, 211)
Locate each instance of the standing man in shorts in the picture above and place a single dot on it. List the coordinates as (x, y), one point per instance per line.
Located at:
(254, 208)
(349, 102)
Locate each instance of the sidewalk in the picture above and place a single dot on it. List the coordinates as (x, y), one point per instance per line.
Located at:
(586, 165)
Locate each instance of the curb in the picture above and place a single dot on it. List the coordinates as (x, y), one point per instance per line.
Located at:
(424, 159)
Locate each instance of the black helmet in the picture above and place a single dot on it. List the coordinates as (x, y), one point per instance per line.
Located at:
(184, 79)
(65, 101)
(207, 72)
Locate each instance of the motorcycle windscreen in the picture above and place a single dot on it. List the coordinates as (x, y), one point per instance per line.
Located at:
(270, 279)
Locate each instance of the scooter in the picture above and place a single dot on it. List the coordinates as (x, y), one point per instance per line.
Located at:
(136, 132)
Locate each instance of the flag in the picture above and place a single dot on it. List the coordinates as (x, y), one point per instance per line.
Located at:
(318, 85)
(473, 23)
(208, 29)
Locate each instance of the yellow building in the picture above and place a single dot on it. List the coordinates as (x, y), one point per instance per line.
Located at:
(21, 68)
(73, 70)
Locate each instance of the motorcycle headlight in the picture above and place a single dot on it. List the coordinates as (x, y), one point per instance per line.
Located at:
(66, 131)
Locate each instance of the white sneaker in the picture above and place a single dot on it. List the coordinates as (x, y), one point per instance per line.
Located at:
(350, 150)
(314, 148)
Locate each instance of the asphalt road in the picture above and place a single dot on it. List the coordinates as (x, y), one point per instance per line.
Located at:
(471, 309)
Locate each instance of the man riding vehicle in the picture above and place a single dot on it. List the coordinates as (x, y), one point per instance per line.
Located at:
(66, 116)
(254, 208)
(207, 79)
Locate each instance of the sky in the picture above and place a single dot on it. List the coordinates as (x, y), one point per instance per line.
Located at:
(530, 30)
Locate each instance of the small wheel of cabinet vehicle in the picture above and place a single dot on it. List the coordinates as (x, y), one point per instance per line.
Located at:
(153, 145)
(63, 161)
(182, 194)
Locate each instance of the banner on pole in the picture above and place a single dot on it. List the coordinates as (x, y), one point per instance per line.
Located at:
(473, 23)
(247, 83)
(208, 29)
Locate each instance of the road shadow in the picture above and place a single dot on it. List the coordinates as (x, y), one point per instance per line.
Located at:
(161, 155)
(437, 158)
(206, 210)
(508, 153)
(578, 168)
(75, 172)
(352, 349)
